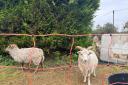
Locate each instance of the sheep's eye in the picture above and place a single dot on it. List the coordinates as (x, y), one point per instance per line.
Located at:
(80, 54)
(10, 46)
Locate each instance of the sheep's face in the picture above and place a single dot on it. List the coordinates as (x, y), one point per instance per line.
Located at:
(83, 55)
(11, 47)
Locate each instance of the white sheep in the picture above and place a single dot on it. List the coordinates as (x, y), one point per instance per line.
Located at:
(87, 62)
(26, 55)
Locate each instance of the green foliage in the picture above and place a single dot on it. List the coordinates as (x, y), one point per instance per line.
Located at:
(125, 30)
(75, 58)
(49, 16)
(46, 17)
(6, 61)
(106, 28)
(126, 25)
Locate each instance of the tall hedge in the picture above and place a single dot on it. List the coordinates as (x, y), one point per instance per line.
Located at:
(46, 17)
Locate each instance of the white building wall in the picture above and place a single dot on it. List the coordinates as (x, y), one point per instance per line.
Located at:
(114, 48)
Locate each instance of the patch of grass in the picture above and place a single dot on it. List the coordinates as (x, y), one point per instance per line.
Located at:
(56, 62)
(9, 73)
(60, 60)
(10, 76)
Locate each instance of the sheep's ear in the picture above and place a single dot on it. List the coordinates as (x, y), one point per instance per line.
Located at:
(89, 53)
(90, 48)
(79, 47)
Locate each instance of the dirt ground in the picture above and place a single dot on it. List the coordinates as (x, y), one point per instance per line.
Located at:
(65, 76)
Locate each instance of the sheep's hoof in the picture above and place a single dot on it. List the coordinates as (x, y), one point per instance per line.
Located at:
(84, 81)
(22, 69)
(34, 72)
(94, 75)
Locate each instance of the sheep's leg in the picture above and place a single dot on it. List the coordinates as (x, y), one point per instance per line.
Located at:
(36, 69)
(22, 65)
(94, 73)
(41, 64)
(84, 78)
(89, 79)
(29, 65)
(85, 75)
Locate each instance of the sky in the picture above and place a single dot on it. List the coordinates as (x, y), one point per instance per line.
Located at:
(105, 13)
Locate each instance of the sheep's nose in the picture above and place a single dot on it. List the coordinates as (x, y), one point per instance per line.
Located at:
(85, 60)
